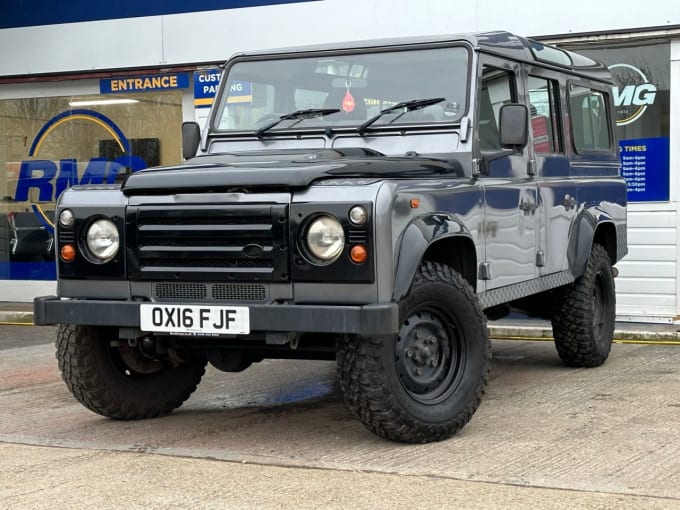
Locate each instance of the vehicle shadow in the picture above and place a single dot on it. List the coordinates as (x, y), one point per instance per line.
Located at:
(275, 408)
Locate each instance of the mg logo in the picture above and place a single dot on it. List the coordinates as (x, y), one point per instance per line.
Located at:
(633, 94)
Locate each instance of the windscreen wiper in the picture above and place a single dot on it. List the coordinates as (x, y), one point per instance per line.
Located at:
(407, 106)
(298, 115)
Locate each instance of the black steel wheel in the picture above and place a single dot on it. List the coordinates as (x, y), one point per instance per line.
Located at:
(583, 324)
(428, 354)
(116, 380)
(425, 383)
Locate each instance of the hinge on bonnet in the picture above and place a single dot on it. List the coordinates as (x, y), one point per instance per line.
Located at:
(464, 128)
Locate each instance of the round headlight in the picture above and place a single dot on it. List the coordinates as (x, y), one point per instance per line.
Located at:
(325, 238)
(358, 215)
(103, 239)
(66, 218)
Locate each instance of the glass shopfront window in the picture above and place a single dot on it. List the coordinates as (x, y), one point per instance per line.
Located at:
(49, 144)
(642, 100)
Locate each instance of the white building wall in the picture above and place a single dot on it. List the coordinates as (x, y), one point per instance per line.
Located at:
(213, 36)
(647, 285)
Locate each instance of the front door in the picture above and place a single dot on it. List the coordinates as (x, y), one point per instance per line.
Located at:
(511, 202)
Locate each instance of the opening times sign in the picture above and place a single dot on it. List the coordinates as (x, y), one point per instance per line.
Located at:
(641, 93)
(644, 166)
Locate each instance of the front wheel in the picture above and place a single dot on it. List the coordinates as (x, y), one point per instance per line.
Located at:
(118, 381)
(424, 384)
(583, 324)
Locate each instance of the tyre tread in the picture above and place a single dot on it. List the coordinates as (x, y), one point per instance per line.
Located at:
(572, 321)
(363, 379)
(77, 360)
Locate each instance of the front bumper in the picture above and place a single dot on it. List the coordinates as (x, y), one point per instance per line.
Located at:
(364, 320)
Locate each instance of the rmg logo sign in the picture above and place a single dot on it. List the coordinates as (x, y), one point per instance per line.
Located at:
(631, 99)
(51, 178)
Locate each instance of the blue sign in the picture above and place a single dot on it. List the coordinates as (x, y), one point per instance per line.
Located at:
(240, 92)
(48, 179)
(150, 83)
(29, 13)
(645, 164)
(206, 83)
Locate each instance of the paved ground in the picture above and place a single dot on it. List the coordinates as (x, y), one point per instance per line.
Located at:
(277, 436)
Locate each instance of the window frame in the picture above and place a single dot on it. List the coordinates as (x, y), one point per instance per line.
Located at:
(555, 119)
(606, 101)
(512, 78)
(217, 111)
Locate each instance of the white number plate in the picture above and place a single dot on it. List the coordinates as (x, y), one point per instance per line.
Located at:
(184, 319)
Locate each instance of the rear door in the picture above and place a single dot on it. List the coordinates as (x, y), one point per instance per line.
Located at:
(557, 190)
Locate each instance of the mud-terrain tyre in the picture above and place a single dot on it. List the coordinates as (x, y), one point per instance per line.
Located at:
(117, 382)
(583, 323)
(425, 383)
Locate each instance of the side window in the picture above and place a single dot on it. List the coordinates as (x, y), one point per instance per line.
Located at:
(543, 99)
(589, 124)
(497, 89)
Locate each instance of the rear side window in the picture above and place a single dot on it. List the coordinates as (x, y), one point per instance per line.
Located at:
(589, 122)
(543, 98)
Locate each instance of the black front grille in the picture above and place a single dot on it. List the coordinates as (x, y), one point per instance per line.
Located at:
(193, 291)
(239, 292)
(208, 242)
(187, 291)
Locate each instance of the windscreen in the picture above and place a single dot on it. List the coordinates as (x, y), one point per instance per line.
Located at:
(344, 90)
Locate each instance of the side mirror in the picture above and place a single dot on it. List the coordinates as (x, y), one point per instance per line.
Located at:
(514, 125)
(191, 138)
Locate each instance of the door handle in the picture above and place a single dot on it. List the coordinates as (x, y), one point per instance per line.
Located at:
(528, 207)
(569, 202)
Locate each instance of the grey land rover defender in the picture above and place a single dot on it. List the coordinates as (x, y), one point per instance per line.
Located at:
(373, 203)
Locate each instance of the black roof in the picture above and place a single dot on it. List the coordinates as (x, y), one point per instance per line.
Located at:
(501, 43)
(529, 50)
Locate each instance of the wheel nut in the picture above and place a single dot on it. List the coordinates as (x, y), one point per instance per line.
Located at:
(409, 353)
(419, 371)
(433, 362)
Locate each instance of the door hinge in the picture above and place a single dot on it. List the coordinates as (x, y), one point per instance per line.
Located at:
(485, 271)
(540, 258)
(531, 167)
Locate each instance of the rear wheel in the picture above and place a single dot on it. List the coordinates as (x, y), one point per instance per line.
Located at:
(424, 384)
(116, 380)
(583, 325)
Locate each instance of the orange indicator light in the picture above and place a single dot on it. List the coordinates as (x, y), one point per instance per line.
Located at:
(358, 254)
(415, 203)
(68, 253)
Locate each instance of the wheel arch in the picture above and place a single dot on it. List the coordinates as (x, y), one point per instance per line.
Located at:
(591, 229)
(437, 238)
